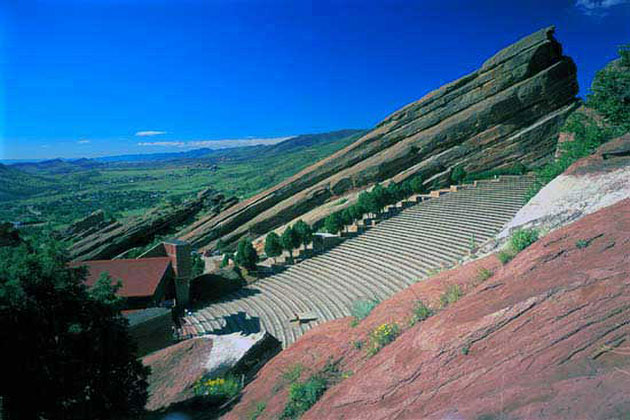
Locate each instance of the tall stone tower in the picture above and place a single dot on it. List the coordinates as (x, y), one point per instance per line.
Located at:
(179, 253)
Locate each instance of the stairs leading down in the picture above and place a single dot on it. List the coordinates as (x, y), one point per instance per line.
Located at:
(387, 258)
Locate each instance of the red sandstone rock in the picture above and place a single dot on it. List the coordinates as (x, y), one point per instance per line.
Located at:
(174, 370)
(547, 336)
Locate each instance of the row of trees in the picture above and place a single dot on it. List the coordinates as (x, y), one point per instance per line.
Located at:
(293, 236)
(372, 203)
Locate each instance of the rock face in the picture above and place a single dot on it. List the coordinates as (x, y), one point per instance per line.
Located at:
(507, 111)
(546, 336)
(175, 369)
(114, 238)
(591, 183)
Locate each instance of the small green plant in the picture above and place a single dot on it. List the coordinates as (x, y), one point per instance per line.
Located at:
(219, 388)
(420, 313)
(483, 274)
(523, 238)
(450, 295)
(466, 349)
(358, 344)
(582, 243)
(292, 374)
(303, 395)
(505, 256)
(260, 408)
(362, 308)
(382, 336)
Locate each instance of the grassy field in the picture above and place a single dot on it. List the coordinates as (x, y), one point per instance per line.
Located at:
(125, 189)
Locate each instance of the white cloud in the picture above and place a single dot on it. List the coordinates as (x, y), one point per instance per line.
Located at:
(217, 144)
(598, 8)
(83, 141)
(149, 133)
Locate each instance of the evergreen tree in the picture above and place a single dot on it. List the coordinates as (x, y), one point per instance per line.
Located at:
(273, 246)
(347, 217)
(304, 232)
(67, 352)
(246, 255)
(333, 223)
(416, 185)
(290, 240)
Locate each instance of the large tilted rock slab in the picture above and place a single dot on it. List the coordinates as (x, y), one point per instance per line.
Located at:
(117, 237)
(507, 111)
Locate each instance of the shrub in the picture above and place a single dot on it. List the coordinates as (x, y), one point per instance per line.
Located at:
(450, 295)
(293, 373)
(362, 308)
(358, 344)
(505, 255)
(582, 243)
(218, 388)
(420, 312)
(303, 396)
(484, 274)
(260, 408)
(523, 238)
(382, 336)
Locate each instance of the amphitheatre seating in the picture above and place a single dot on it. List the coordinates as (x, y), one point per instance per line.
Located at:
(379, 262)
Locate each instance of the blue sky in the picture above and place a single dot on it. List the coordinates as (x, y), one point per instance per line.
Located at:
(83, 77)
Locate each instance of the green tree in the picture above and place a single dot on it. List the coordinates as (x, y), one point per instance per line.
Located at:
(273, 246)
(304, 232)
(368, 201)
(394, 193)
(416, 185)
(347, 217)
(610, 91)
(333, 223)
(246, 256)
(357, 211)
(457, 175)
(67, 352)
(290, 240)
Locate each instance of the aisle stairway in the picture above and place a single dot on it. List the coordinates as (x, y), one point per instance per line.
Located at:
(374, 265)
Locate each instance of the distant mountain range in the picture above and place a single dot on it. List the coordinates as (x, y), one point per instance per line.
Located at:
(60, 165)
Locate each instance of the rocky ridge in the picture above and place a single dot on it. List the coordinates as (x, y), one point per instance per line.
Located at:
(98, 239)
(507, 111)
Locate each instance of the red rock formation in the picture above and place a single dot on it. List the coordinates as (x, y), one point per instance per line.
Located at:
(547, 336)
(507, 111)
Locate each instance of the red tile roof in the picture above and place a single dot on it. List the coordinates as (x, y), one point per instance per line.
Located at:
(139, 277)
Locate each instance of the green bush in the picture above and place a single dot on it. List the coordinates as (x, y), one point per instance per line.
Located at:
(420, 312)
(382, 336)
(198, 266)
(523, 238)
(484, 274)
(582, 243)
(610, 91)
(505, 256)
(362, 308)
(218, 388)
(293, 373)
(450, 295)
(304, 395)
(258, 410)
